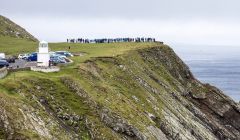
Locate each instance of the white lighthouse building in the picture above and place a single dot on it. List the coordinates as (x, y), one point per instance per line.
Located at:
(43, 55)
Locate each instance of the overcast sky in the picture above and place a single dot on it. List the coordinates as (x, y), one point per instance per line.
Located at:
(172, 21)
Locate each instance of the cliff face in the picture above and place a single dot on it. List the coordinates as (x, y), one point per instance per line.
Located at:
(11, 29)
(142, 94)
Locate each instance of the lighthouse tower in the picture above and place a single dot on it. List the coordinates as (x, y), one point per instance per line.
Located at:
(43, 55)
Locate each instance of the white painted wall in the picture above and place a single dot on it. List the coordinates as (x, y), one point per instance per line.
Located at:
(43, 55)
(43, 59)
(43, 50)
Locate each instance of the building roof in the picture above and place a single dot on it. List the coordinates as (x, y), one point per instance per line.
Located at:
(43, 42)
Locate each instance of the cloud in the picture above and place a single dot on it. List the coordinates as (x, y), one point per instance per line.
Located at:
(126, 9)
(172, 21)
(171, 31)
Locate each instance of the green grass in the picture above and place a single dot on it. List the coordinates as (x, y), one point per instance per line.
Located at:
(9, 28)
(110, 83)
(15, 46)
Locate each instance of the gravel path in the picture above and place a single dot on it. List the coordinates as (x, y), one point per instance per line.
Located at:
(20, 63)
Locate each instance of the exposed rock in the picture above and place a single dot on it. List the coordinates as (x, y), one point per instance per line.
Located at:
(146, 94)
(121, 126)
(146, 85)
(135, 98)
(157, 133)
(110, 119)
(201, 95)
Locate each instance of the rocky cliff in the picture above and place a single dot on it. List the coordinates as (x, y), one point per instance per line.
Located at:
(146, 93)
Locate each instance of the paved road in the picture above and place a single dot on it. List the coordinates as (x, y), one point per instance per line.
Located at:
(19, 63)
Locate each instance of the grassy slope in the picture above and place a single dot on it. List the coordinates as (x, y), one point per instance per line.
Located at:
(9, 28)
(141, 78)
(11, 46)
(13, 81)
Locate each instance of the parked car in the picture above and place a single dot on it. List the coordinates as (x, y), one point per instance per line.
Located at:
(62, 56)
(32, 57)
(52, 53)
(4, 63)
(20, 56)
(2, 55)
(64, 53)
(57, 59)
(23, 56)
(9, 59)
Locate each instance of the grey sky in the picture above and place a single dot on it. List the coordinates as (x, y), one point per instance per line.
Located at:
(173, 21)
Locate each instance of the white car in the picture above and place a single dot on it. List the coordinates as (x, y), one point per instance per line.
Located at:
(23, 56)
(2, 55)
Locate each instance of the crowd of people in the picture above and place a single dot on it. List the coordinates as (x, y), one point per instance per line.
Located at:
(111, 40)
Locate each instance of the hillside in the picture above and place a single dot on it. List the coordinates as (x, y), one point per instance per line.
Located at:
(10, 29)
(145, 92)
(115, 91)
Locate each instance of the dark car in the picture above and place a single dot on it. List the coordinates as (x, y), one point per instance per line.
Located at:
(64, 53)
(32, 57)
(4, 63)
(57, 59)
(9, 59)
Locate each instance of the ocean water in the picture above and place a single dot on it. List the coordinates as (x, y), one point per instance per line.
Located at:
(216, 65)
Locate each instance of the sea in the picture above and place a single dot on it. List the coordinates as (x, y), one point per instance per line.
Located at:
(216, 65)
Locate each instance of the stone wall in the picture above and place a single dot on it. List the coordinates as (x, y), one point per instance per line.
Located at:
(3, 72)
